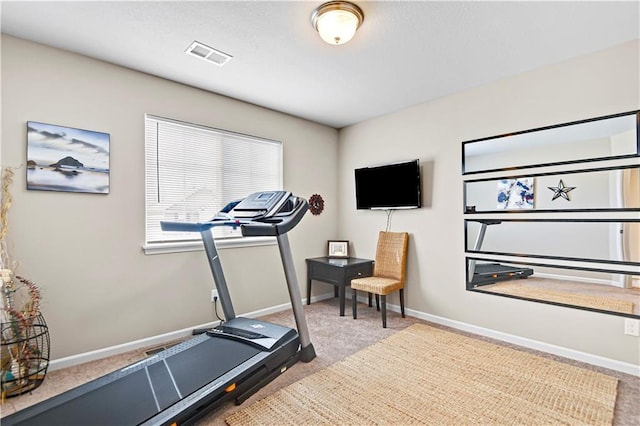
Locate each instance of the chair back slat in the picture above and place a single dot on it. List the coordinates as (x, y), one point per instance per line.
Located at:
(391, 255)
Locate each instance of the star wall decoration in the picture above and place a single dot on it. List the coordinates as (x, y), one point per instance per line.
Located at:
(561, 191)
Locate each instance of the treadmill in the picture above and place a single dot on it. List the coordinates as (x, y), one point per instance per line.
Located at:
(229, 362)
(490, 273)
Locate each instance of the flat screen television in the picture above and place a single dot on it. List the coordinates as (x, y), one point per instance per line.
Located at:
(388, 186)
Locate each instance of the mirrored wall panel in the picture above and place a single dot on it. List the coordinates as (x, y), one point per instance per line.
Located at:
(613, 136)
(597, 190)
(560, 206)
(604, 291)
(609, 241)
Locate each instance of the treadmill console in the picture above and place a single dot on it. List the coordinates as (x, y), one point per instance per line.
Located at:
(260, 204)
(267, 213)
(261, 214)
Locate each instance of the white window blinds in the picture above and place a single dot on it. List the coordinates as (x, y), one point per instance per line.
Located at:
(193, 171)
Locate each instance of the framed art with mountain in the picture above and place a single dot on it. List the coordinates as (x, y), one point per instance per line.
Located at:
(67, 159)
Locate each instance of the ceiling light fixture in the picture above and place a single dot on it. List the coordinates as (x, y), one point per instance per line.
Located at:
(337, 21)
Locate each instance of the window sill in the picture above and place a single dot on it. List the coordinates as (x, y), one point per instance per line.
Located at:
(179, 247)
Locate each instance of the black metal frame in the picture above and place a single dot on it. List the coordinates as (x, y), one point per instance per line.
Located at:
(479, 289)
(585, 160)
(584, 264)
(551, 257)
(516, 211)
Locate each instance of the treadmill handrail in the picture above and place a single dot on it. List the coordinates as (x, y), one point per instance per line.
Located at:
(171, 226)
(271, 226)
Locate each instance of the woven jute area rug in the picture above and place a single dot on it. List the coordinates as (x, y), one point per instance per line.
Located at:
(585, 300)
(425, 375)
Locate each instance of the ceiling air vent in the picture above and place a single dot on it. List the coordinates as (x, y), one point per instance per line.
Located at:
(207, 53)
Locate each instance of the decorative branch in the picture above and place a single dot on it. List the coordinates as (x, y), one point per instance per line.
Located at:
(7, 199)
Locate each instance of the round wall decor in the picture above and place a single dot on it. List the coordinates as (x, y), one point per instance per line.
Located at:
(316, 204)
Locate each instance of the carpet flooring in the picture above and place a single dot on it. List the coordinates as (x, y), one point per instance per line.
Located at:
(590, 295)
(517, 288)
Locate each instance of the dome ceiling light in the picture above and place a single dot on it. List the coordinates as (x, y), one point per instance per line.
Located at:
(337, 21)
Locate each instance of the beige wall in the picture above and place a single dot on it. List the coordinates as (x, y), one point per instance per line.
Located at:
(84, 250)
(603, 83)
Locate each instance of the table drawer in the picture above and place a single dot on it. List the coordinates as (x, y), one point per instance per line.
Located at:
(359, 271)
(325, 273)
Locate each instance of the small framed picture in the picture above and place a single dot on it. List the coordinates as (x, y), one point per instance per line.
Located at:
(338, 248)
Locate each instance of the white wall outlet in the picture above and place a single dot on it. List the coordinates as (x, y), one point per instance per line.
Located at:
(632, 327)
(214, 295)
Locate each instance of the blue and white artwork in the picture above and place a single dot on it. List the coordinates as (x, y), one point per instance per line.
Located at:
(515, 193)
(67, 159)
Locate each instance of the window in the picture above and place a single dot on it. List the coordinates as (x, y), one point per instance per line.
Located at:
(193, 171)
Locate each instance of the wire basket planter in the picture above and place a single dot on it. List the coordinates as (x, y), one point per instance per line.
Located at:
(24, 354)
(24, 335)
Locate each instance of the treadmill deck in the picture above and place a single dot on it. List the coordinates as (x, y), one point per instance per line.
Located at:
(197, 368)
(490, 273)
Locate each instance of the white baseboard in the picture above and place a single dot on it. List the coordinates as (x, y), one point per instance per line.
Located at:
(158, 340)
(612, 364)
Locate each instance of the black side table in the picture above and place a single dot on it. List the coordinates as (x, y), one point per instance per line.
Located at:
(338, 272)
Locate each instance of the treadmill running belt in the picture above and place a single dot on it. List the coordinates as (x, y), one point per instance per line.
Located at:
(141, 394)
(205, 362)
(106, 405)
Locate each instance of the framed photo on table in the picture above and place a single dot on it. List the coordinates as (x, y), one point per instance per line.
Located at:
(338, 248)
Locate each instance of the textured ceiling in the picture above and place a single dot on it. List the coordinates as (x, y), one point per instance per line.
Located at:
(405, 53)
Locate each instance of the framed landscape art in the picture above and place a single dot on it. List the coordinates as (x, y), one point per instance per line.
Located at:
(67, 159)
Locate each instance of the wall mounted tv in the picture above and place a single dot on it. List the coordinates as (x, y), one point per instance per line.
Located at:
(388, 186)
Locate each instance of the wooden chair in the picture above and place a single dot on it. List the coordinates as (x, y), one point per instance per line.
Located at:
(389, 273)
